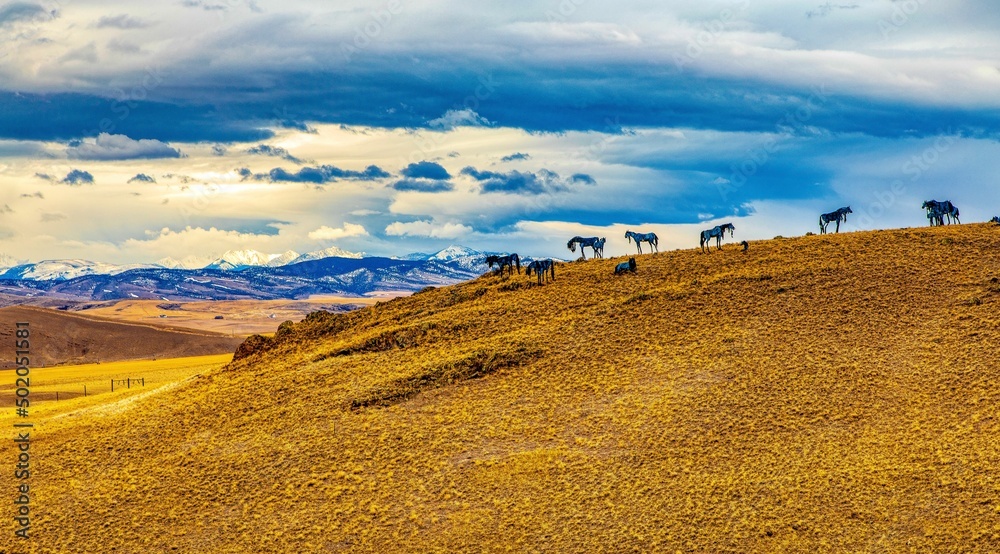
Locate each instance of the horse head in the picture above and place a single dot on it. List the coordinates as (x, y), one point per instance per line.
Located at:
(631, 264)
(572, 244)
(628, 235)
(492, 260)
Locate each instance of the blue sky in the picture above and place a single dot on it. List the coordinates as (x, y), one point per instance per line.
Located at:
(129, 132)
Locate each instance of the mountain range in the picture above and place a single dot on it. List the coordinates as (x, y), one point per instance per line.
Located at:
(243, 274)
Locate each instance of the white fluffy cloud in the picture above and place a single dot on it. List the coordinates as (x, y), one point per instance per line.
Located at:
(329, 233)
(428, 229)
(120, 147)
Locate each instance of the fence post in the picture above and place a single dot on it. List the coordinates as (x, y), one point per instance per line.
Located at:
(85, 391)
(57, 396)
(112, 385)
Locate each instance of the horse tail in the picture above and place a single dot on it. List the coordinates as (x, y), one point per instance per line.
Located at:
(656, 240)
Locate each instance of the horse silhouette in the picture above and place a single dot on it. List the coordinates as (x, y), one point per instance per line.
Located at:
(717, 232)
(543, 269)
(651, 238)
(597, 244)
(838, 216)
(625, 266)
(944, 207)
(509, 261)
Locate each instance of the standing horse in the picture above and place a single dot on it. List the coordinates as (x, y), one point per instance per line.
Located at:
(718, 232)
(509, 261)
(596, 243)
(544, 270)
(945, 207)
(625, 266)
(646, 237)
(838, 216)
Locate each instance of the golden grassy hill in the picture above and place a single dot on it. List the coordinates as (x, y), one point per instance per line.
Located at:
(818, 394)
(60, 338)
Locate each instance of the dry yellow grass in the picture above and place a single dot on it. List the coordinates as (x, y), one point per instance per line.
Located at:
(818, 394)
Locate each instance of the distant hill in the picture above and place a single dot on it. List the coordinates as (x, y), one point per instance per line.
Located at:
(62, 338)
(832, 393)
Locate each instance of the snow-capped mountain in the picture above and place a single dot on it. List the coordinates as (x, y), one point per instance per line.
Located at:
(188, 262)
(458, 257)
(454, 252)
(278, 260)
(240, 259)
(332, 252)
(49, 270)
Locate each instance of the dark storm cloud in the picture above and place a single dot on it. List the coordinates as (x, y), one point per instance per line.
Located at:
(77, 177)
(316, 175)
(423, 185)
(142, 178)
(426, 170)
(518, 182)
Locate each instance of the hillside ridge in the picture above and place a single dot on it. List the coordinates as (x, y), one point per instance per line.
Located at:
(820, 393)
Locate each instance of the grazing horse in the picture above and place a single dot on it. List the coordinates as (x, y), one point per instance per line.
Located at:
(510, 261)
(596, 243)
(639, 238)
(625, 266)
(945, 207)
(544, 270)
(838, 216)
(718, 232)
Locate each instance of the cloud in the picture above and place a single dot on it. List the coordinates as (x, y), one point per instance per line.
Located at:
(518, 182)
(15, 12)
(123, 21)
(50, 218)
(77, 177)
(318, 175)
(824, 10)
(428, 229)
(120, 147)
(426, 170)
(35, 194)
(348, 230)
(6, 209)
(218, 150)
(45, 176)
(464, 117)
(141, 178)
(123, 46)
(275, 151)
(515, 156)
(422, 185)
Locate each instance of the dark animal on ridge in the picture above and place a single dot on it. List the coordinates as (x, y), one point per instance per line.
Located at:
(996, 219)
(838, 216)
(745, 245)
(945, 207)
(651, 238)
(718, 232)
(593, 242)
(510, 262)
(625, 266)
(544, 270)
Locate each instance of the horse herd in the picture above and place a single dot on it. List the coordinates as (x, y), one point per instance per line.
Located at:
(937, 213)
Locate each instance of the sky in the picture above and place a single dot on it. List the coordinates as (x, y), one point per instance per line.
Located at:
(131, 132)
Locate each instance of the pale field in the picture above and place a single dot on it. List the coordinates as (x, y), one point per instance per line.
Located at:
(44, 410)
(240, 317)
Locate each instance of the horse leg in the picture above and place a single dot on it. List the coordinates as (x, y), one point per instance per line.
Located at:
(838, 226)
